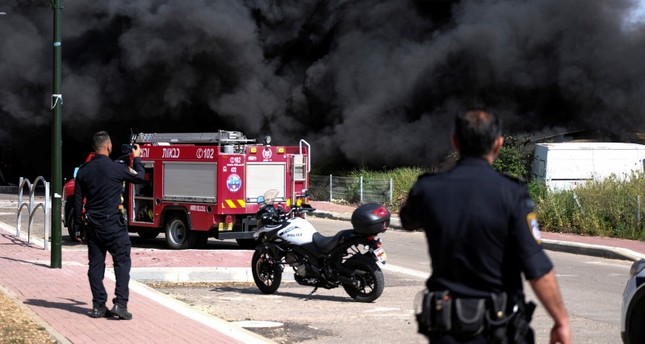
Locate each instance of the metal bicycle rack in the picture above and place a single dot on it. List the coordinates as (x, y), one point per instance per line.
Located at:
(32, 206)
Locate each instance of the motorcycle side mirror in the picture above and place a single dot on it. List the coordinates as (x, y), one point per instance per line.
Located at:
(305, 193)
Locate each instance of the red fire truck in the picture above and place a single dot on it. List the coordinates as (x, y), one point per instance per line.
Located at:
(201, 185)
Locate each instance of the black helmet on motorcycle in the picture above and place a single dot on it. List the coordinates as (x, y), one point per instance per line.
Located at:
(266, 213)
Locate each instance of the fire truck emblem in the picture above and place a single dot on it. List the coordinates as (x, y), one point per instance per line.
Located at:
(266, 154)
(233, 183)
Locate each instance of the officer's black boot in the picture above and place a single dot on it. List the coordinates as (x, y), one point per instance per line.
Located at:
(99, 312)
(121, 312)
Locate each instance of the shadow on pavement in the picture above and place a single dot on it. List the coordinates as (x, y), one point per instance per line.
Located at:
(25, 261)
(305, 297)
(71, 306)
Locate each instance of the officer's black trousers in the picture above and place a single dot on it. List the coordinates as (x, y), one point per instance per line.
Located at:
(112, 238)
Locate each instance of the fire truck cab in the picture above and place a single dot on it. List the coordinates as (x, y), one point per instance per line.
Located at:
(201, 185)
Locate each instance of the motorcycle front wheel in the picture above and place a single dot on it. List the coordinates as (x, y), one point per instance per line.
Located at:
(267, 272)
(368, 279)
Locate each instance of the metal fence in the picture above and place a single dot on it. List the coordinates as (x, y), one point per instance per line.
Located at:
(351, 189)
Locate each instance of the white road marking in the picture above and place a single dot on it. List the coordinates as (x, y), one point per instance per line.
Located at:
(405, 271)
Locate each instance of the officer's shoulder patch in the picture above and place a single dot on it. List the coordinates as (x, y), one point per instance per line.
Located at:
(534, 227)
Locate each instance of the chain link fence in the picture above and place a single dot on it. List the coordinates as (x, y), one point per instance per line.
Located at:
(355, 190)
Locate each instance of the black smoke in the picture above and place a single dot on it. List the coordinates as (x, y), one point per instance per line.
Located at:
(367, 83)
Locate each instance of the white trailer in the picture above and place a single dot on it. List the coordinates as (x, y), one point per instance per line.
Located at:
(563, 166)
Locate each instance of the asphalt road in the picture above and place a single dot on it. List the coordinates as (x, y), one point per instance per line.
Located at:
(591, 287)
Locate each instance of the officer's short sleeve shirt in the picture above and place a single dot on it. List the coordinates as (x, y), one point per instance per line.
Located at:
(481, 229)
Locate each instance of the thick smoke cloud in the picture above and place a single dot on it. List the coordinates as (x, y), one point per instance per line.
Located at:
(368, 83)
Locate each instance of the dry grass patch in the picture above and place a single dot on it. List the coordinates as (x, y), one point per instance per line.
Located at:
(17, 324)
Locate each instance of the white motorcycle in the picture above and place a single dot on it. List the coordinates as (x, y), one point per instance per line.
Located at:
(348, 258)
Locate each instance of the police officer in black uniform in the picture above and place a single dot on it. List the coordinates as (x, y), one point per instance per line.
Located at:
(100, 182)
(482, 235)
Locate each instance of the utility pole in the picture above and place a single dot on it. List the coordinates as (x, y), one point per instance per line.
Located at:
(56, 104)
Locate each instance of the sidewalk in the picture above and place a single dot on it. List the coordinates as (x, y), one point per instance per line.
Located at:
(61, 297)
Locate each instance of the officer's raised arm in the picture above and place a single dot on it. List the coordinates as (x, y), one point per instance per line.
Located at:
(136, 173)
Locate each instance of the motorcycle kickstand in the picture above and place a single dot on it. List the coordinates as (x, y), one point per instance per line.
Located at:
(312, 292)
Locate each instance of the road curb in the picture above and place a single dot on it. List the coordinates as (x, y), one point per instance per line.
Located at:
(601, 251)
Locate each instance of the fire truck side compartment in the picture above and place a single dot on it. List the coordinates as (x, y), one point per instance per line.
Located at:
(261, 177)
(189, 181)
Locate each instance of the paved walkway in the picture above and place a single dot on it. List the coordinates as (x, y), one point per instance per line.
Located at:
(61, 297)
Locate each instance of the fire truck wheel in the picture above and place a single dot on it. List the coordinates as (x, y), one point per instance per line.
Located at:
(178, 234)
(148, 233)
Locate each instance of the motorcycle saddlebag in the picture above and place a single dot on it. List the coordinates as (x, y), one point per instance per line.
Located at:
(370, 218)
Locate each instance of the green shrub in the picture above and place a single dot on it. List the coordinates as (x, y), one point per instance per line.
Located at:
(600, 208)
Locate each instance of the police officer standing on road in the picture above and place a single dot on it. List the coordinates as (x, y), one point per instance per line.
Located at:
(482, 234)
(100, 183)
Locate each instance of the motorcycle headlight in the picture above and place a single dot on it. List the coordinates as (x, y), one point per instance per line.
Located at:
(637, 267)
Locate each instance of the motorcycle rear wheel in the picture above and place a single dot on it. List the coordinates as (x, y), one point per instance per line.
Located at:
(369, 276)
(267, 272)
